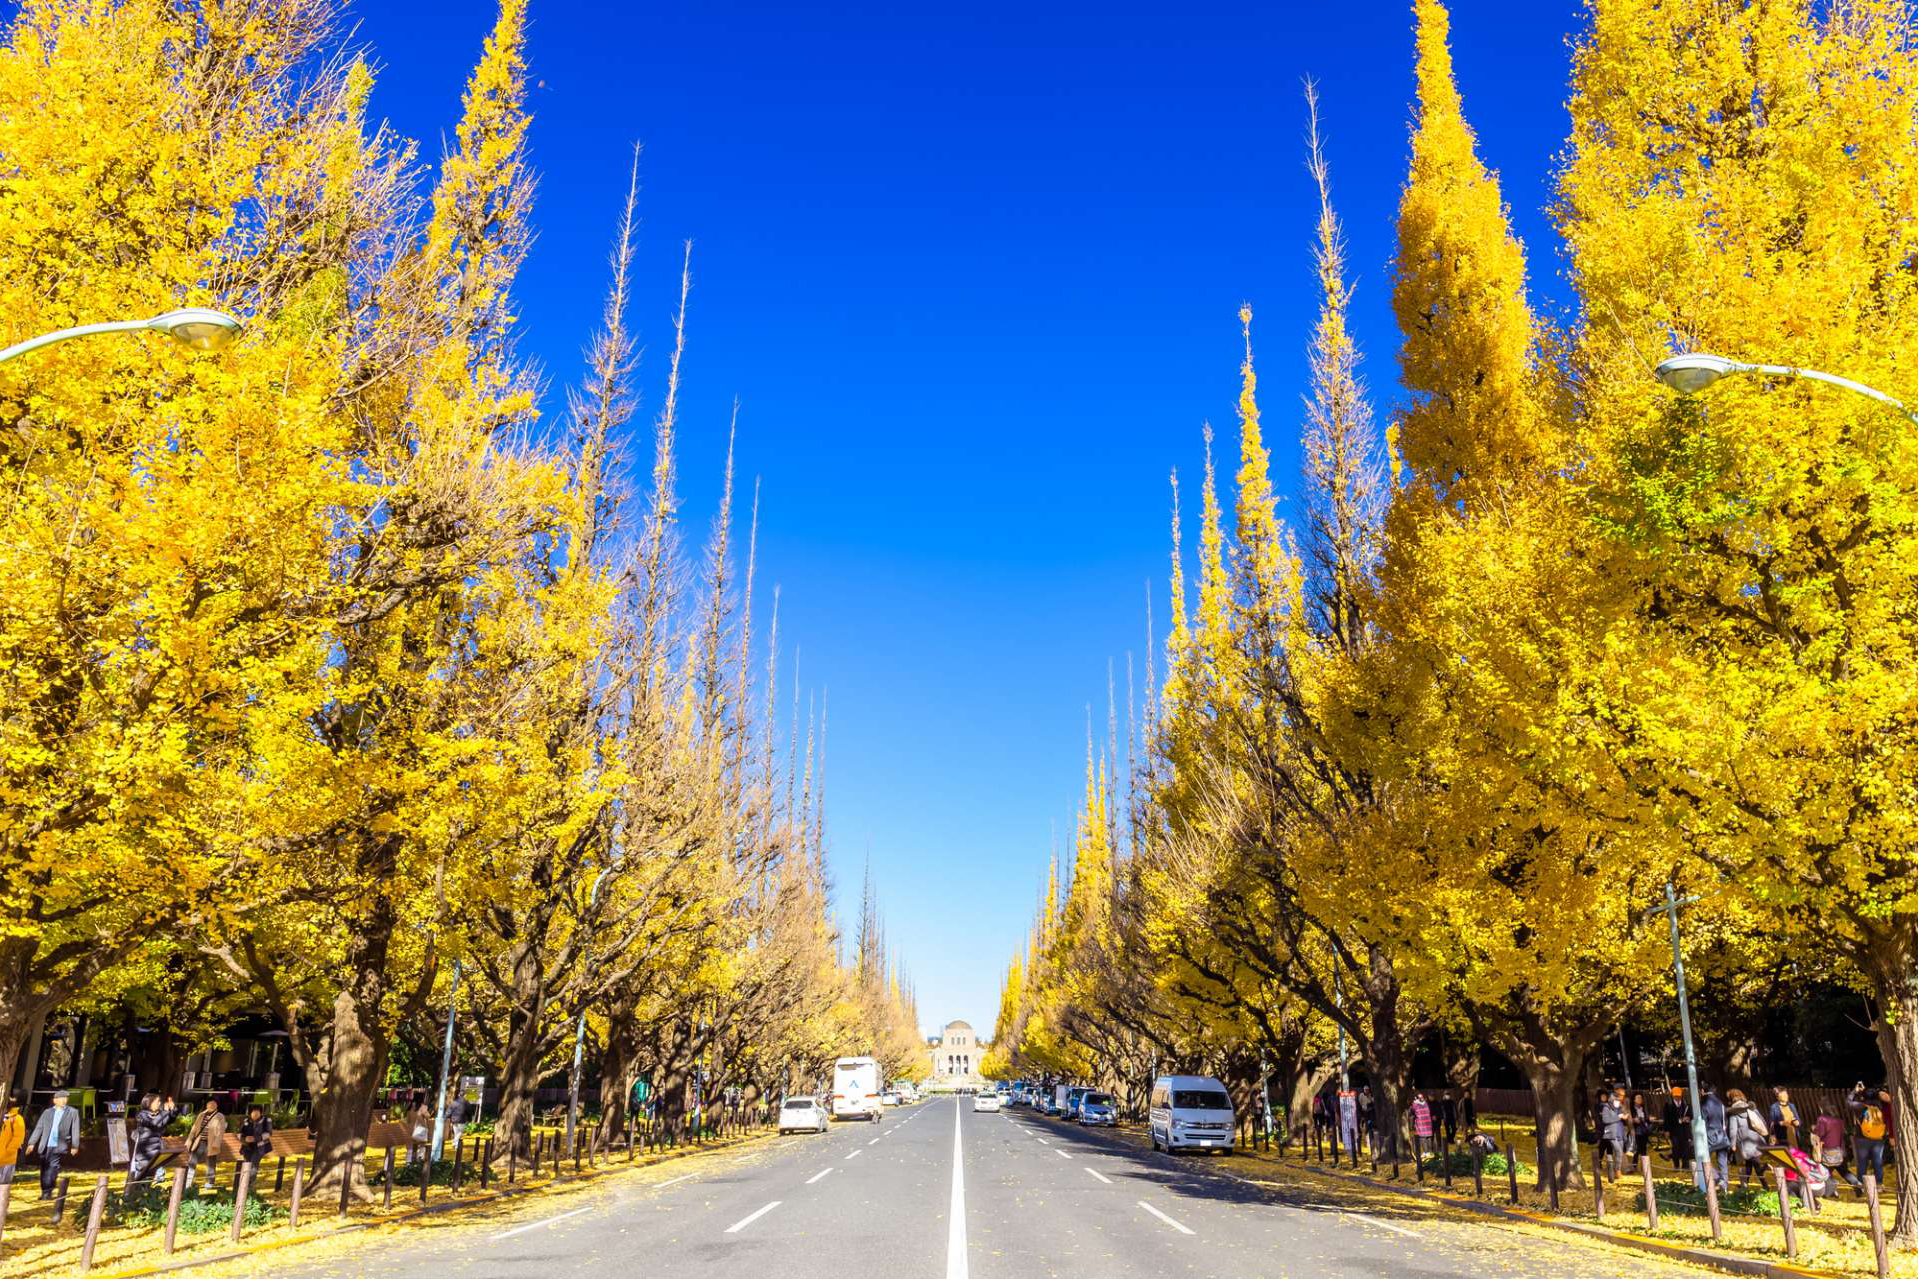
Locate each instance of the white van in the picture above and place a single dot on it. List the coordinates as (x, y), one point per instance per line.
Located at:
(1190, 1112)
(855, 1089)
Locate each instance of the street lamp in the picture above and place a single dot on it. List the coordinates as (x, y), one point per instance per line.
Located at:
(1692, 372)
(1701, 1150)
(197, 327)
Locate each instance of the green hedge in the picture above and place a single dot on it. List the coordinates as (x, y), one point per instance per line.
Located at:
(145, 1205)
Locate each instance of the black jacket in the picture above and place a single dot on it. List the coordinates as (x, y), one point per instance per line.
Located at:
(148, 1131)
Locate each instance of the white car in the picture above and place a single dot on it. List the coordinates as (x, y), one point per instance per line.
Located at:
(1190, 1112)
(986, 1101)
(802, 1114)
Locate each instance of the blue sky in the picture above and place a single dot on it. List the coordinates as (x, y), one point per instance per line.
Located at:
(973, 274)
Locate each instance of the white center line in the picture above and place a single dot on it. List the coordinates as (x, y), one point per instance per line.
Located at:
(1374, 1221)
(743, 1222)
(956, 1240)
(855, 1154)
(1095, 1172)
(1162, 1217)
(816, 1176)
(519, 1230)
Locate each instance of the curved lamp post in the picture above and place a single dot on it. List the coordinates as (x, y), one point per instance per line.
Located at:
(1692, 372)
(197, 327)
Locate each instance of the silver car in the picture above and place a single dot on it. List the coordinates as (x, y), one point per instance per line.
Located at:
(1097, 1110)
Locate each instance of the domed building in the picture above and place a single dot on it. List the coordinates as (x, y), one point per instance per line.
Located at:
(956, 1054)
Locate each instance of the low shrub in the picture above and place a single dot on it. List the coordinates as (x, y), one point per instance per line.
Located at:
(145, 1205)
(1749, 1200)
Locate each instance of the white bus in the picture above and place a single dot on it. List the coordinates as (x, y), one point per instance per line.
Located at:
(855, 1088)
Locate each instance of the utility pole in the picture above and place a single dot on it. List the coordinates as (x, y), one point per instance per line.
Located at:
(1701, 1156)
(446, 1066)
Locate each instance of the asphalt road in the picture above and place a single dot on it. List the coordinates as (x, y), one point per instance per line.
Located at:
(936, 1190)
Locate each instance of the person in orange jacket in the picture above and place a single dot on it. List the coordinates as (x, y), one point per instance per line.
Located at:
(13, 1134)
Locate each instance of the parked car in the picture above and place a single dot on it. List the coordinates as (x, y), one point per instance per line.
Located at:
(1097, 1109)
(890, 1097)
(1190, 1112)
(802, 1114)
(986, 1101)
(1073, 1097)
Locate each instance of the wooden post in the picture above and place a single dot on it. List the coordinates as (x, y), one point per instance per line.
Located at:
(346, 1183)
(1651, 1192)
(1877, 1227)
(1478, 1172)
(539, 1139)
(1511, 1169)
(1418, 1155)
(512, 1163)
(241, 1185)
(172, 1207)
(1598, 1184)
(486, 1164)
(386, 1203)
(299, 1193)
(1784, 1213)
(1711, 1198)
(95, 1212)
(577, 1155)
(426, 1174)
(279, 1175)
(459, 1154)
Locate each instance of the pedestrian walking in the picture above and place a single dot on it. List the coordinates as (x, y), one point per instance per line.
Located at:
(1784, 1118)
(56, 1134)
(204, 1141)
(421, 1118)
(1641, 1125)
(1718, 1144)
(1871, 1116)
(1448, 1113)
(1748, 1134)
(1468, 1108)
(1422, 1120)
(1828, 1147)
(13, 1135)
(256, 1137)
(1368, 1112)
(147, 1138)
(1678, 1127)
(1611, 1132)
(1321, 1116)
(456, 1113)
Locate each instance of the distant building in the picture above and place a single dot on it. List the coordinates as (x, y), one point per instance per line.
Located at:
(956, 1053)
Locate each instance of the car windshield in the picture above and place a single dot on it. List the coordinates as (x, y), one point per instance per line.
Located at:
(1097, 1099)
(1200, 1099)
(799, 1103)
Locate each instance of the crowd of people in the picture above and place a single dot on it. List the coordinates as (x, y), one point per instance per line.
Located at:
(55, 1138)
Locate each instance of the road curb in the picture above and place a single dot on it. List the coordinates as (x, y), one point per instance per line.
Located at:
(447, 1205)
(1722, 1261)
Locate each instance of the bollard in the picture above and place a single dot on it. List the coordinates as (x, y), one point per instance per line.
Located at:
(1784, 1213)
(1418, 1155)
(483, 1155)
(459, 1154)
(1511, 1169)
(426, 1174)
(1805, 1196)
(577, 1155)
(241, 1185)
(1877, 1227)
(279, 1175)
(538, 1140)
(95, 1211)
(60, 1199)
(346, 1184)
(1478, 1172)
(172, 1207)
(512, 1163)
(299, 1193)
(1651, 1192)
(1598, 1185)
(386, 1200)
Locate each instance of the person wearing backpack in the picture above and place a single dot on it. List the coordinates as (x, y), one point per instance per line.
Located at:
(1717, 1143)
(1748, 1134)
(1828, 1144)
(1871, 1117)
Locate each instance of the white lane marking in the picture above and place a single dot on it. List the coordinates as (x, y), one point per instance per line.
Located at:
(1095, 1172)
(684, 1176)
(956, 1240)
(873, 1142)
(1162, 1217)
(816, 1176)
(1374, 1221)
(520, 1230)
(745, 1221)
(855, 1154)
(1045, 1141)
(1062, 1154)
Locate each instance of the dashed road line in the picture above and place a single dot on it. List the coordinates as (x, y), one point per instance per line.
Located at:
(684, 1176)
(1184, 1230)
(1095, 1172)
(750, 1218)
(1374, 1221)
(855, 1154)
(816, 1176)
(1062, 1154)
(520, 1230)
